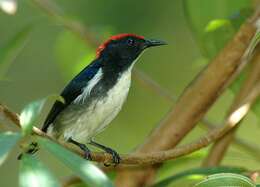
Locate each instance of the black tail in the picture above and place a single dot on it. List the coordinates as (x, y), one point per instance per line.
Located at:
(33, 148)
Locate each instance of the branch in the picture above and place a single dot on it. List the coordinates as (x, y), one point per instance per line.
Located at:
(155, 157)
(194, 102)
(219, 149)
(147, 82)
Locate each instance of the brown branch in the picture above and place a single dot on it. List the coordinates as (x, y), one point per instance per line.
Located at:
(219, 149)
(194, 102)
(147, 82)
(150, 84)
(160, 156)
(148, 158)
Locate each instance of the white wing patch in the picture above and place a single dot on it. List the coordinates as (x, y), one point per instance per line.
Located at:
(86, 91)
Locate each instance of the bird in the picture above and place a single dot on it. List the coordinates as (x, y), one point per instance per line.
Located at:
(95, 96)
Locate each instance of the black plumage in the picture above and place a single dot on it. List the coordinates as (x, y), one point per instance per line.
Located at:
(72, 91)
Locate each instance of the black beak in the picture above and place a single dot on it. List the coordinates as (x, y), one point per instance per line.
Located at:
(153, 43)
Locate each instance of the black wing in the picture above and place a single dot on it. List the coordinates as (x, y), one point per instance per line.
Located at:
(72, 91)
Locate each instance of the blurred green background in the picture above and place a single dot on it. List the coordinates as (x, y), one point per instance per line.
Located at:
(51, 55)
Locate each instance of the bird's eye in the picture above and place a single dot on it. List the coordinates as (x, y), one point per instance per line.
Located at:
(130, 41)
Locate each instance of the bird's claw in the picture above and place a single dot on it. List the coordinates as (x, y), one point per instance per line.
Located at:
(115, 156)
(87, 155)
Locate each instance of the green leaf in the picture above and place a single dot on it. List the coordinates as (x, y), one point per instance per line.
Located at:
(34, 173)
(216, 24)
(87, 171)
(204, 15)
(8, 6)
(7, 142)
(226, 179)
(31, 112)
(197, 172)
(9, 52)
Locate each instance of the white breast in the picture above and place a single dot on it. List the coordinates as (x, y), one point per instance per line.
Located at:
(116, 97)
(93, 119)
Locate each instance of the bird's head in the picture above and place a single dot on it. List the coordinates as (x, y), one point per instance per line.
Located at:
(125, 48)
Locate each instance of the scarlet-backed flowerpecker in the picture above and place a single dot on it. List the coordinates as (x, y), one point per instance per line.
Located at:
(95, 96)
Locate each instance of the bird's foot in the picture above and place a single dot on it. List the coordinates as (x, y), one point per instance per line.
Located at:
(87, 152)
(115, 156)
(83, 147)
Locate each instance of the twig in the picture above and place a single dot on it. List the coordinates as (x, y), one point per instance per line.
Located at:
(193, 103)
(155, 87)
(219, 149)
(155, 157)
(149, 83)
